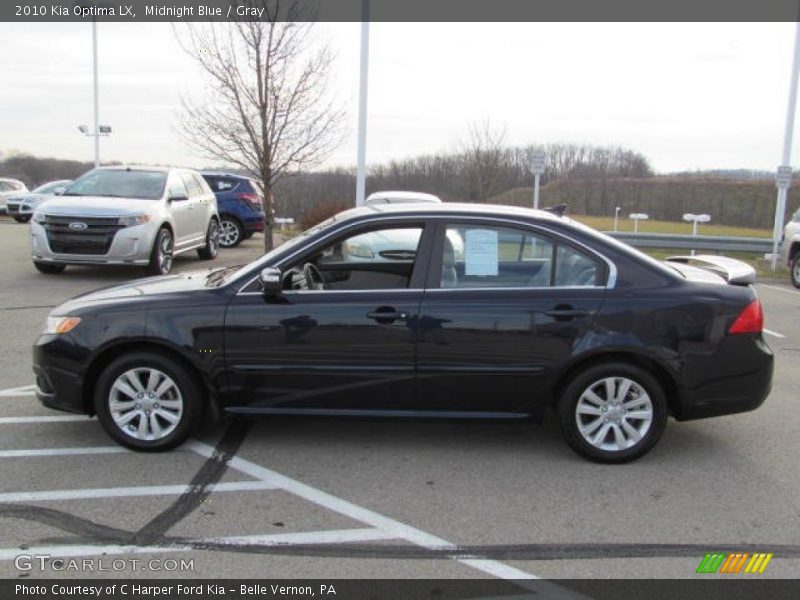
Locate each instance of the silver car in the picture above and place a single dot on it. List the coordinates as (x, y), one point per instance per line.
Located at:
(126, 216)
(791, 248)
(21, 207)
(10, 187)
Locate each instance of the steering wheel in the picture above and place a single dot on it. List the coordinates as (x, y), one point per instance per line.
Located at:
(314, 279)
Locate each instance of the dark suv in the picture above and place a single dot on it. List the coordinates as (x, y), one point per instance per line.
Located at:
(240, 201)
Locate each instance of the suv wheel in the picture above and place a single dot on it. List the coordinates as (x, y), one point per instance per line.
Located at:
(209, 251)
(795, 269)
(612, 412)
(161, 256)
(147, 401)
(24, 219)
(231, 232)
(49, 268)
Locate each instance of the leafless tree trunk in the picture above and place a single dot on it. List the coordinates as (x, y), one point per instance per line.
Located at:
(267, 110)
(484, 155)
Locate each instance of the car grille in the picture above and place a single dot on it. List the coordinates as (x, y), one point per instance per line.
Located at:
(95, 239)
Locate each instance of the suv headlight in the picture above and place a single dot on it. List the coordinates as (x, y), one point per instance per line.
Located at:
(55, 325)
(39, 217)
(134, 220)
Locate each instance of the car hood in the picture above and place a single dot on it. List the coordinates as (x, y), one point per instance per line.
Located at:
(30, 197)
(139, 289)
(96, 206)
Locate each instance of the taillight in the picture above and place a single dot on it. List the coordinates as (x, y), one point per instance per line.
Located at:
(750, 320)
(253, 200)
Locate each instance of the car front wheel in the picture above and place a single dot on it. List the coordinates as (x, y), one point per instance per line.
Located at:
(795, 270)
(162, 253)
(613, 412)
(231, 232)
(24, 219)
(147, 402)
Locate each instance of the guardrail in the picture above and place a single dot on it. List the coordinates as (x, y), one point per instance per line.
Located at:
(694, 242)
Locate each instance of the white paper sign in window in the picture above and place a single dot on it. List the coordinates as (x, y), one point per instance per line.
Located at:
(480, 255)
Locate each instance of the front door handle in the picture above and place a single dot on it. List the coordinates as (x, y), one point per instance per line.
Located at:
(386, 315)
(565, 313)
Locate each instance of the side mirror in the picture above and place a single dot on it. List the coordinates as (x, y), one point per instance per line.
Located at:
(271, 281)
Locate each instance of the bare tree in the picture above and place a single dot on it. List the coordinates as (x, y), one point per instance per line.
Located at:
(484, 155)
(267, 110)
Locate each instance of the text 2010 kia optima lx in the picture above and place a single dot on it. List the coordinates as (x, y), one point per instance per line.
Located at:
(475, 311)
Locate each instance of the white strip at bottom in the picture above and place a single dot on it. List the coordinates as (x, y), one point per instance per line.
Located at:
(63, 451)
(43, 419)
(26, 390)
(773, 333)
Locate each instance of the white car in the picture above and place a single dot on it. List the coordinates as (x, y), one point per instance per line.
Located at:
(400, 198)
(791, 248)
(10, 187)
(21, 207)
(126, 216)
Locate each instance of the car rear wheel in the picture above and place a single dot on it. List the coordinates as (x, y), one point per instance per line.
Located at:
(162, 254)
(49, 268)
(231, 232)
(146, 401)
(613, 412)
(795, 270)
(24, 219)
(210, 250)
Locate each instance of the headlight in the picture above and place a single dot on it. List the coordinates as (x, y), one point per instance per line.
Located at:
(39, 217)
(134, 220)
(55, 325)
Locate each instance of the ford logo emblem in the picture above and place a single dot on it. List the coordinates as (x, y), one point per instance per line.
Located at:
(78, 226)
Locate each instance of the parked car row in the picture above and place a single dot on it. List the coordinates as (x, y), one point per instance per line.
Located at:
(135, 216)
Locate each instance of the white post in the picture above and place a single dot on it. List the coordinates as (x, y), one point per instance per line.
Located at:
(616, 219)
(536, 191)
(780, 204)
(361, 167)
(96, 98)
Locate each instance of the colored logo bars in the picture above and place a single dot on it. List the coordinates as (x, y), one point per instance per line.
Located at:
(722, 562)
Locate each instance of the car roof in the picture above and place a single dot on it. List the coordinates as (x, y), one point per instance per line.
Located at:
(450, 208)
(402, 196)
(221, 174)
(157, 168)
(9, 179)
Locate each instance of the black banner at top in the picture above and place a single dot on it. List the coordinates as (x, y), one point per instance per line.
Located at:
(133, 11)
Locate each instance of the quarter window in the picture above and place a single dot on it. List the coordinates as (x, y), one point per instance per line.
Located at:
(478, 256)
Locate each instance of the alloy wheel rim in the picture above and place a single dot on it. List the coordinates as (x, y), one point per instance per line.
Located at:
(165, 252)
(145, 404)
(229, 233)
(614, 414)
(213, 238)
(796, 271)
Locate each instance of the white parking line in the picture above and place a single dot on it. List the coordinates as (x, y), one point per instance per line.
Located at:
(26, 390)
(773, 333)
(63, 451)
(58, 419)
(122, 492)
(391, 527)
(780, 289)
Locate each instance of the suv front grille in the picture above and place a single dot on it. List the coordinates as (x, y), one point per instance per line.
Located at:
(95, 238)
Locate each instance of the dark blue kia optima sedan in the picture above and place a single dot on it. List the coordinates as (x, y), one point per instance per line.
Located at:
(474, 311)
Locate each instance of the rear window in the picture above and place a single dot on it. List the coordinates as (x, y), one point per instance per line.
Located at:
(220, 185)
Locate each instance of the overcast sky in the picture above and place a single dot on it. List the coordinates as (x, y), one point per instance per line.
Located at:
(687, 96)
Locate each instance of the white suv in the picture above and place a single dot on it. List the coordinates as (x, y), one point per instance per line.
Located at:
(126, 216)
(791, 247)
(10, 187)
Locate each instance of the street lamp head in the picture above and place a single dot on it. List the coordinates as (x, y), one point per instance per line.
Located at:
(83, 129)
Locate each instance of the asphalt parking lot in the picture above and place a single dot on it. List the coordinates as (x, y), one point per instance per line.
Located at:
(394, 499)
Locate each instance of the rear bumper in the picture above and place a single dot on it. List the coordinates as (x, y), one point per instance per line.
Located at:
(731, 390)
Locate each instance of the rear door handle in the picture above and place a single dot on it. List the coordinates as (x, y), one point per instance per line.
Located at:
(567, 313)
(387, 316)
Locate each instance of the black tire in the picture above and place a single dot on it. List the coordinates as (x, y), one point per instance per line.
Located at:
(24, 219)
(231, 232)
(211, 249)
(248, 235)
(159, 263)
(593, 376)
(190, 395)
(794, 270)
(49, 268)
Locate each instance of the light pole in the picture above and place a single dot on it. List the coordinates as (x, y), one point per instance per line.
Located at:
(537, 167)
(361, 167)
(616, 219)
(783, 176)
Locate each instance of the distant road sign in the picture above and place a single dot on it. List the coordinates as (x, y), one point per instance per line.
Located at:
(284, 220)
(783, 178)
(538, 162)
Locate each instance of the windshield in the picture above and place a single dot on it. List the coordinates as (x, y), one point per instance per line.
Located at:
(49, 188)
(119, 183)
(226, 274)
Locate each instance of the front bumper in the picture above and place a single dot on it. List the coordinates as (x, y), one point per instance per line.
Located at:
(130, 246)
(59, 384)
